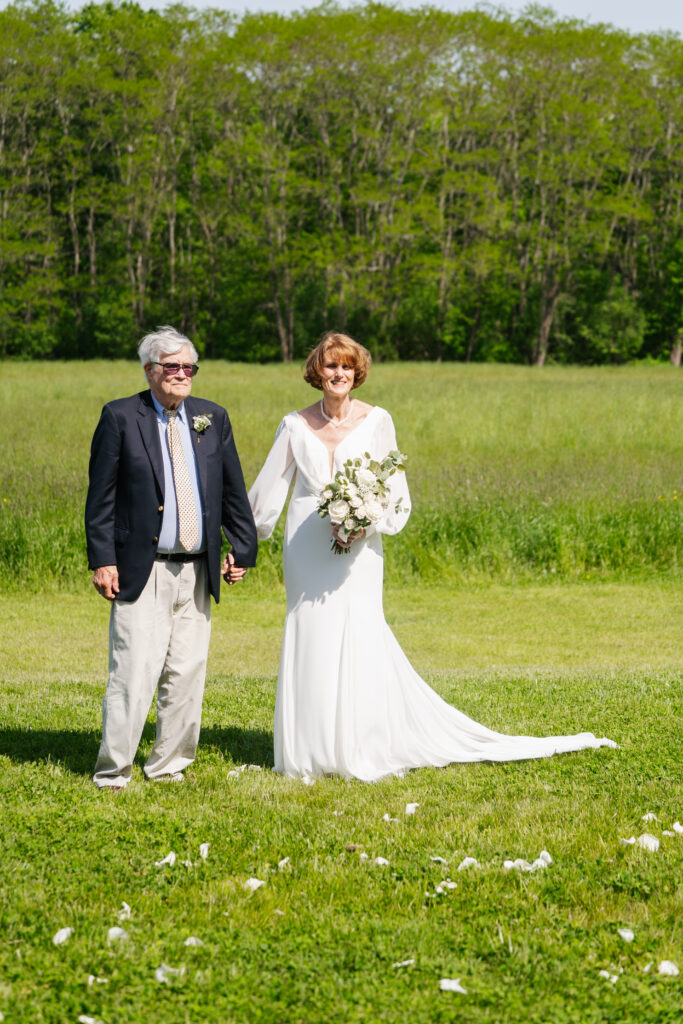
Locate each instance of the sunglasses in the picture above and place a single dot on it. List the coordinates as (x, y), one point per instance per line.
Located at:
(171, 369)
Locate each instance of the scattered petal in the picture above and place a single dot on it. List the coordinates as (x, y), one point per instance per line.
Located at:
(381, 861)
(539, 864)
(165, 972)
(168, 859)
(254, 768)
(668, 967)
(363, 856)
(648, 842)
(337, 814)
(204, 850)
(613, 978)
(62, 936)
(627, 934)
(628, 842)
(192, 940)
(667, 832)
(386, 817)
(450, 885)
(650, 817)
(94, 980)
(117, 934)
(252, 884)
(282, 864)
(187, 863)
(545, 856)
(308, 780)
(468, 862)
(124, 912)
(648, 967)
(452, 985)
(85, 1019)
(234, 773)
(439, 860)
(404, 963)
(677, 827)
(439, 890)
(280, 913)
(411, 808)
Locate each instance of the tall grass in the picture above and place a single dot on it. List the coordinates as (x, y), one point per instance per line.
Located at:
(514, 474)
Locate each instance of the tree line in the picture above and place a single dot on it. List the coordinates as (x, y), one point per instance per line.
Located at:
(470, 186)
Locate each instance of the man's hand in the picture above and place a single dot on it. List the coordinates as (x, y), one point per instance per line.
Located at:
(106, 581)
(231, 573)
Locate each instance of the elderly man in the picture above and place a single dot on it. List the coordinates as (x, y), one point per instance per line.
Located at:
(164, 478)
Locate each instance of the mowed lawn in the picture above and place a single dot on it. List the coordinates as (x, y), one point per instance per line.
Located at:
(537, 587)
(319, 941)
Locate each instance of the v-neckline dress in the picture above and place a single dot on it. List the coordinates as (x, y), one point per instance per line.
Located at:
(348, 701)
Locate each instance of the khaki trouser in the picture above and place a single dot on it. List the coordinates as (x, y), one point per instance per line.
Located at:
(158, 642)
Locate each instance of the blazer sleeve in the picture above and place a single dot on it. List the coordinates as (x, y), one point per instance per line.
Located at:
(236, 518)
(100, 503)
(269, 491)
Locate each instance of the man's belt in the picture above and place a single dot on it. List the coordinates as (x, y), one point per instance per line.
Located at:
(179, 556)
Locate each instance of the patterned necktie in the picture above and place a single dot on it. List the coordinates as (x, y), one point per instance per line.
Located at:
(188, 534)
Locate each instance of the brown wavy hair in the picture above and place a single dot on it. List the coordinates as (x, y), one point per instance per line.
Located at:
(343, 347)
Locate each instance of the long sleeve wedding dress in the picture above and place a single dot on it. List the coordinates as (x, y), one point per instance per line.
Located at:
(348, 701)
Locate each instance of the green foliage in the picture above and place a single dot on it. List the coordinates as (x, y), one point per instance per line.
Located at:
(464, 186)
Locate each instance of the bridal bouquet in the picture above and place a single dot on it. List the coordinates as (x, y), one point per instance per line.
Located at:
(358, 496)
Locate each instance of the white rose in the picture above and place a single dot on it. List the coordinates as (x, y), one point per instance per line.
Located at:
(356, 501)
(365, 477)
(327, 494)
(373, 509)
(360, 512)
(350, 524)
(339, 510)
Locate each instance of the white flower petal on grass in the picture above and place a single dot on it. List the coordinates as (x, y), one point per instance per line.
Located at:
(613, 978)
(282, 864)
(85, 1019)
(124, 912)
(337, 814)
(648, 842)
(187, 863)
(650, 816)
(386, 817)
(539, 864)
(363, 856)
(668, 967)
(204, 850)
(439, 860)
(117, 934)
(252, 884)
(667, 832)
(308, 780)
(468, 862)
(63, 935)
(233, 774)
(452, 985)
(165, 972)
(411, 808)
(648, 967)
(628, 842)
(677, 827)
(381, 861)
(450, 885)
(280, 913)
(545, 856)
(254, 768)
(94, 980)
(404, 963)
(168, 859)
(627, 934)
(192, 940)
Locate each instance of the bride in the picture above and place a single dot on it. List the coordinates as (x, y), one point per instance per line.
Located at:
(348, 701)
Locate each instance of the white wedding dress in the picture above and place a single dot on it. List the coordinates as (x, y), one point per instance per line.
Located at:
(348, 701)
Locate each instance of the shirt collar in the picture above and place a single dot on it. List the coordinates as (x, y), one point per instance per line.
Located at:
(160, 408)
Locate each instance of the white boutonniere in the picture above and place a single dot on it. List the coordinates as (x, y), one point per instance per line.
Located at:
(201, 423)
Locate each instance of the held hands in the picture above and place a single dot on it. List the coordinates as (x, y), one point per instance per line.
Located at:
(106, 581)
(350, 539)
(231, 573)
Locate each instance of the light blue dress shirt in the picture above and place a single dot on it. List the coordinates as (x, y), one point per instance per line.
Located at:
(168, 537)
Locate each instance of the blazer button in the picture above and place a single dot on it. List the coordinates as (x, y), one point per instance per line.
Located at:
(155, 538)
(161, 508)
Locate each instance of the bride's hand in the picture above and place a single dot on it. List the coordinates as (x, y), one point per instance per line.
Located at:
(350, 539)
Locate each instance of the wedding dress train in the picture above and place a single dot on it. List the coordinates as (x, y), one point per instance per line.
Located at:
(348, 701)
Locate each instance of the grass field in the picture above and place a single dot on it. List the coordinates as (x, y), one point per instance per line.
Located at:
(537, 588)
(515, 475)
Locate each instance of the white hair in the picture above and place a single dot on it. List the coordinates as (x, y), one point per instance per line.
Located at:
(165, 341)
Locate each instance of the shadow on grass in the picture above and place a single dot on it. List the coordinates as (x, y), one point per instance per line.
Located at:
(76, 749)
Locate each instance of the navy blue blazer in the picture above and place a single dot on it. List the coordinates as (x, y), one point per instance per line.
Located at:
(124, 506)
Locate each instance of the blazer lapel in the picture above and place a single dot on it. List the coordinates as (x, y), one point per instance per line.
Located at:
(147, 422)
(198, 448)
